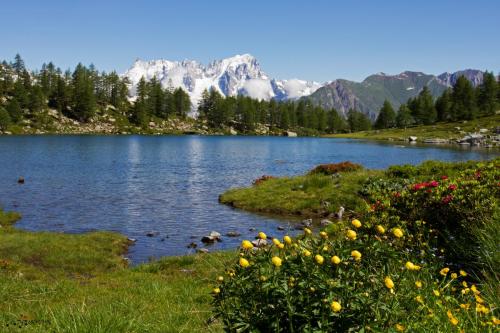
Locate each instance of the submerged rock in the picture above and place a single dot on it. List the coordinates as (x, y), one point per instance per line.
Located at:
(233, 234)
(152, 233)
(20, 180)
(213, 237)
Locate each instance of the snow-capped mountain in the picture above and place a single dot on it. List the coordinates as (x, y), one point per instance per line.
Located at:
(240, 74)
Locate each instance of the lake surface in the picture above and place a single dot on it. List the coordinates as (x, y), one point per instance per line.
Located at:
(170, 184)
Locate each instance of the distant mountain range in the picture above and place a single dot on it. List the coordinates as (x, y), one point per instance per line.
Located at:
(369, 95)
(242, 74)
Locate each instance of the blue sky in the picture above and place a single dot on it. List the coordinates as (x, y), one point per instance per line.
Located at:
(314, 40)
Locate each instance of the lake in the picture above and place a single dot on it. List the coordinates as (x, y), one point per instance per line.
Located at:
(170, 184)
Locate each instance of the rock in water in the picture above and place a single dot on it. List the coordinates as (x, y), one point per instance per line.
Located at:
(259, 242)
(20, 180)
(233, 234)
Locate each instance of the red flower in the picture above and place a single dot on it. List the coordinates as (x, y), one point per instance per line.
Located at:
(397, 194)
(433, 184)
(419, 186)
(452, 187)
(429, 190)
(446, 200)
(444, 177)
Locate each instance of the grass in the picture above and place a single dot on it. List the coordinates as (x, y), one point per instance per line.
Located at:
(53, 282)
(438, 130)
(313, 195)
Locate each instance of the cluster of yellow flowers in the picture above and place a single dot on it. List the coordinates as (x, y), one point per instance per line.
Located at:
(321, 253)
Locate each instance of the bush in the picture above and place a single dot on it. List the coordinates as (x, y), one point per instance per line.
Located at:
(327, 283)
(333, 168)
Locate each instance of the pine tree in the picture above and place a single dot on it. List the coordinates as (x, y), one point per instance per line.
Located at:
(4, 119)
(336, 122)
(443, 106)
(14, 110)
(18, 65)
(487, 95)
(140, 111)
(386, 116)
(358, 121)
(83, 97)
(37, 99)
(182, 102)
(404, 118)
(463, 104)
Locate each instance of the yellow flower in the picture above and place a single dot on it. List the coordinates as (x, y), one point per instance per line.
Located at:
(495, 320)
(380, 229)
(335, 260)
(216, 291)
(307, 231)
(325, 248)
(356, 223)
(281, 246)
(419, 299)
(262, 235)
(418, 284)
(481, 308)
(436, 292)
(356, 255)
(474, 289)
(397, 232)
(247, 245)
(465, 306)
(306, 253)
(454, 276)
(244, 263)
(336, 307)
(479, 299)
(400, 328)
(351, 234)
(463, 273)
(323, 235)
(388, 282)
(412, 267)
(453, 320)
(220, 278)
(276, 261)
(464, 284)
(263, 278)
(276, 241)
(287, 240)
(319, 259)
(444, 271)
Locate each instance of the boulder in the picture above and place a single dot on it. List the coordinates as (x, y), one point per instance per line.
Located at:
(325, 222)
(232, 131)
(281, 228)
(290, 134)
(483, 130)
(412, 138)
(233, 234)
(20, 180)
(213, 237)
(202, 250)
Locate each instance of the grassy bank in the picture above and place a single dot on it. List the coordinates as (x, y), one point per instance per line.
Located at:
(449, 131)
(53, 282)
(319, 195)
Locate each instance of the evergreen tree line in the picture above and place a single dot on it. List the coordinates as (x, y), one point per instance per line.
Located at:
(461, 102)
(247, 114)
(77, 94)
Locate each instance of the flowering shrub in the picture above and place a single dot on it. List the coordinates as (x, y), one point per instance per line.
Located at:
(454, 208)
(362, 278)
(330, 169)
(398, 268)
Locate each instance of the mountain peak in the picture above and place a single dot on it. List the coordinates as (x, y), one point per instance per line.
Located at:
(239, 74)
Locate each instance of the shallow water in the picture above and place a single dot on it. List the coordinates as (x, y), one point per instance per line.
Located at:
(169, 184)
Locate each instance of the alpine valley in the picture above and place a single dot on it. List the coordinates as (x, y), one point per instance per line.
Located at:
(242, 75)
